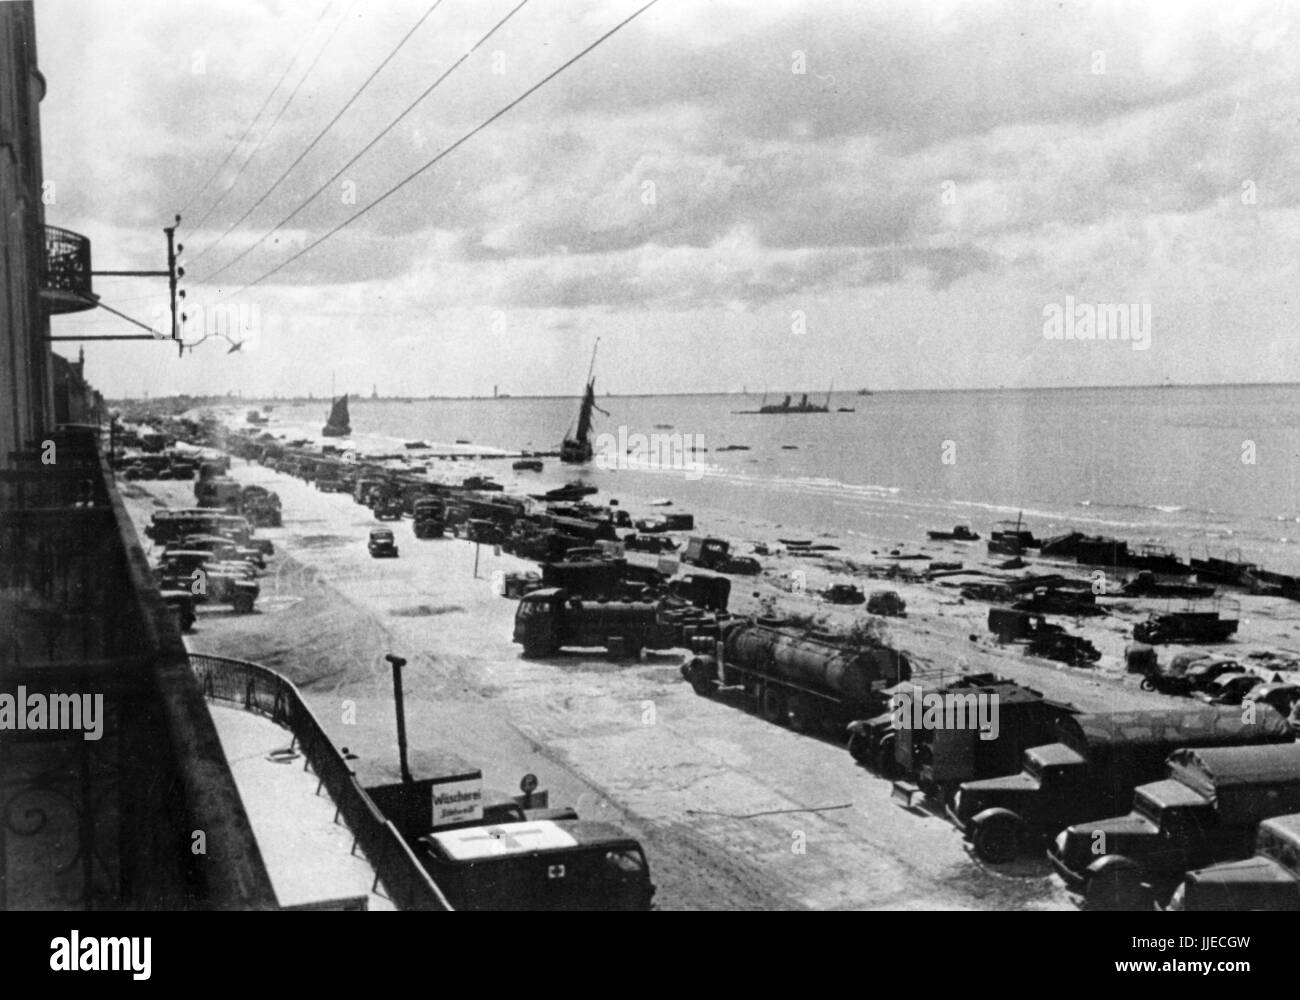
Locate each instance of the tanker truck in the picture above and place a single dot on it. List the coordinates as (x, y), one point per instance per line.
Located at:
(553, 618)
(808, 682)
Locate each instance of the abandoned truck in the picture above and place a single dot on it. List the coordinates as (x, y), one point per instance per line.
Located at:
(939, 759)
(807, 682)
(552, 619)
(1204, 812)
(1093, 770)
(1190, 627)
(715, 554)
(1270, 880)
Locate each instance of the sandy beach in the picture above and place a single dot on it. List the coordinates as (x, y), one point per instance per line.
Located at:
(720, 798)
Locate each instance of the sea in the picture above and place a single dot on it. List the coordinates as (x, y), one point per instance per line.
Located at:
(1201, 470)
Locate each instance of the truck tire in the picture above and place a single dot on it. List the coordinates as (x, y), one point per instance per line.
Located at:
(1147, 684)
(861, 750)
(772, 705)
(885, 764)
(997, 835)
(800, 713)
(1115, 883)
(243, 604)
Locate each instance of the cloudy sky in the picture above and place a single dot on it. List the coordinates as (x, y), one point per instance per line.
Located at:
(763, 193)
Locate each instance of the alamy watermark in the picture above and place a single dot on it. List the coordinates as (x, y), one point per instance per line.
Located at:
(36, 711)
(675, 452)
(918, 709)
(1105, 321)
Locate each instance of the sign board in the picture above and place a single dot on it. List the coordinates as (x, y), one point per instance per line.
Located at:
(457, 801)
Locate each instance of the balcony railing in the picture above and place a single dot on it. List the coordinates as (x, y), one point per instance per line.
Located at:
(109, 822)
(66, 285)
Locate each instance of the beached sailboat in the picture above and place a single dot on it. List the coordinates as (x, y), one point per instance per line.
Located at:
(338, 423)
(576, 448)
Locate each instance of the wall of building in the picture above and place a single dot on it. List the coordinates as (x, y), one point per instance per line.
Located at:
(26, 386)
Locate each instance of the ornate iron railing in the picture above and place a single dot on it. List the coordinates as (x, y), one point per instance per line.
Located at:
(66, 284)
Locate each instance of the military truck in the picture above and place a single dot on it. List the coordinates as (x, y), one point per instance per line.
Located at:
(1204, 812)
(1092, 770)
(209, 583)
(806, 681)
(552, 619)
(938, 759)
(1269, 880)
(1189, 627)
(428, 514)
(715, 554)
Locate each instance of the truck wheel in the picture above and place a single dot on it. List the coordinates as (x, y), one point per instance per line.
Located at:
(997, 834)
(860, 749)
(1115, 883)
(885, 764)
(800, 714)
(1147, 684)
(243, 604)
(773, 705)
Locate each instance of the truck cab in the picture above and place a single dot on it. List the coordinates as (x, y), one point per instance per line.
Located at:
(1270, 880)
(1093, 771)
(1203, 813)
(545, 865)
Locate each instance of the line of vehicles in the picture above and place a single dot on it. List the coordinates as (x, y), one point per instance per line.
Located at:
(1139, 809)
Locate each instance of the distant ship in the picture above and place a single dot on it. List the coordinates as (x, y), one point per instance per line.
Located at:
(338, 424)
(864, 392)
(803, 406)
(576, 448)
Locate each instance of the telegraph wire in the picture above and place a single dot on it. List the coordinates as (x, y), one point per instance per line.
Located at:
(368, 146)
(271, 128)
(294, 58)
(320, 135)
(463, 139)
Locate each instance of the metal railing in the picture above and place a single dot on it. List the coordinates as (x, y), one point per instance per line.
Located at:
(258, 689)
(66, 282)
(107, 823)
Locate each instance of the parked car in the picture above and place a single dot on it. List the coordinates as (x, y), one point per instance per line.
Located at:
(887, 602)
(382, 545)
(1229, 688)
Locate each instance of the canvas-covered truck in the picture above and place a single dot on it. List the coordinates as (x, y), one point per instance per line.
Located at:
(1204, 812)
(808, 682)
(935, 759)
(429, 515)
(1188, 627)
(552, 619)
(1092, 770)
(715, 554)
(1269, 880)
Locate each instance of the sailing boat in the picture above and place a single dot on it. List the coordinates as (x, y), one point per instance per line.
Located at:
(576, 448)
(338, 424)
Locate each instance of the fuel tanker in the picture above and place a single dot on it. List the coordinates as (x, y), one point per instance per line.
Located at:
(808, 682)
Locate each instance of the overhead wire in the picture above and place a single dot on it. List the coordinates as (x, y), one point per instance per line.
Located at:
(368, 146)
(276, 121)
(265, 104)
(449, 149)
(329, 125)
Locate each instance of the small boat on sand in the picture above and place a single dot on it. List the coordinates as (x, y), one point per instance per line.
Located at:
(961, 533)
